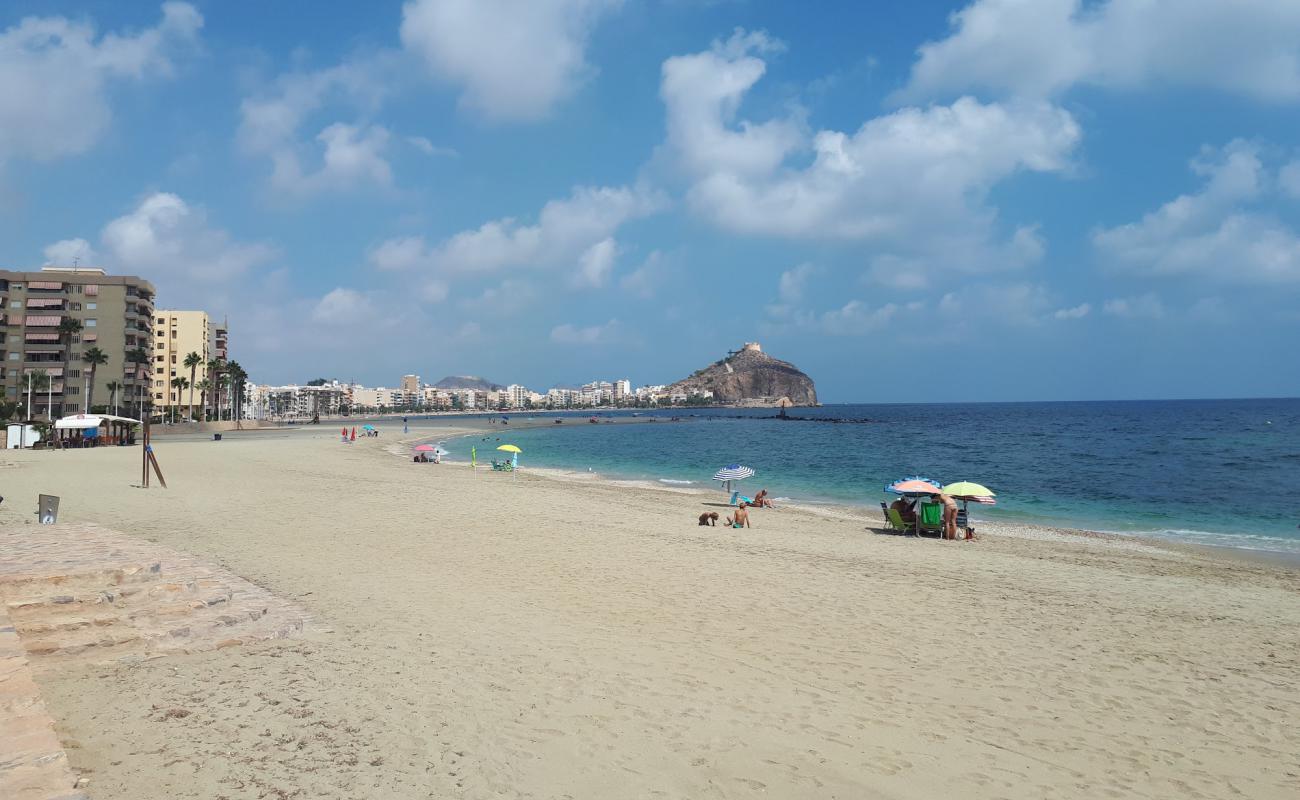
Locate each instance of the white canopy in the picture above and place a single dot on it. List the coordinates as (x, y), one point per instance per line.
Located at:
(87, 421)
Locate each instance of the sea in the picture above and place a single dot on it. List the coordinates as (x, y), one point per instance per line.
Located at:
(1211, 472)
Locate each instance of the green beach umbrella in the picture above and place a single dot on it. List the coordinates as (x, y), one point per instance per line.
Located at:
(967, 489)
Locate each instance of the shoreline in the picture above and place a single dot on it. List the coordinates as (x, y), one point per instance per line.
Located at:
(863, 512)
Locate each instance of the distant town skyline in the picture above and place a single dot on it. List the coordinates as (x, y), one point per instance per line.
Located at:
(933, 201)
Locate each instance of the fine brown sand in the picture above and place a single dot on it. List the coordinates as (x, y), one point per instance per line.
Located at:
(503, 636)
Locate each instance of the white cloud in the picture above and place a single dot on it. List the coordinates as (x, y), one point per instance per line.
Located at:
(1037, 48)
(791, 286)
(171, 243)
(511, 296)
(1213, 233)
(341, 155)
(55, 74)
(343, 307)
(595, 334)
(913, 183)
(1077, 312)
(514, 61)
(1288, 178)
(645, 280)
(1146, 306)
(566, 231)
(68, 252)
(596, 264)
(429, 148)
(855, 318)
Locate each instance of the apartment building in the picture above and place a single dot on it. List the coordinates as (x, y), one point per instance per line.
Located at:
(116, 315)
(176, 335)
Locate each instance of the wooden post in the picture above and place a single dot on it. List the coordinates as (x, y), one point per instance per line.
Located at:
(144, 455)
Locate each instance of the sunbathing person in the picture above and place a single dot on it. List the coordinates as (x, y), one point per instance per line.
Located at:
(741, 519)
(761, 500)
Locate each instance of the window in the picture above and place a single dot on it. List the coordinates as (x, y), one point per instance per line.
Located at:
(13, 373)
(13, 356)
(158, 396)
(93, 306)
(173, 360)
(76, 338)
(15, 303)
(159, 371)
(72, 390)
(160, 358)
(158, 384)
(17, 286)
(90, 323)
(160, 333)
(74, 373)
(74, 306)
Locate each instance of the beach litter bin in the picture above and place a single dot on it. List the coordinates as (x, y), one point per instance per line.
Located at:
(216, 437)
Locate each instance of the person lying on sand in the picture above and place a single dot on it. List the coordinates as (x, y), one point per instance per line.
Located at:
(741, 519)
(709, 518)
(761, 500)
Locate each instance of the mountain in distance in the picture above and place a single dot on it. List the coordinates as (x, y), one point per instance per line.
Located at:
(751, 377)
(468, 382)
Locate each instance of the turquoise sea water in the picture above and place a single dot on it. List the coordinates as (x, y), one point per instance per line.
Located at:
(1221, 472)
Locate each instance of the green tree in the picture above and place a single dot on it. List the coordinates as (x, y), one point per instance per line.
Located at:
(37, 380)
(95, 358)
(204, 386)
(180, 384)
(113, 388)
(237, 379)
(8, 408)
(215, 367)
(193, 360)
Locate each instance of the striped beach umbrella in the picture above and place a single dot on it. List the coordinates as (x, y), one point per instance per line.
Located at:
(733, 472)
(915, 485)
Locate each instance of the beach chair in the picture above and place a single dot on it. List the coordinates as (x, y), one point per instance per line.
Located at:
(929, 517)
(896, 520)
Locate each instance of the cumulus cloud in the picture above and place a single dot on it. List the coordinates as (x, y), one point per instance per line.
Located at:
(913, 183)
(340, 155)
(595, 334)
(1216, 233)
(512, 60)
(172, 244)
(68, 252)
(343, 307)
(596, 264)
(1077, 312)
(55, 75)
(1288, 178)
(645, 280)
(574, 233)
(1037, 48)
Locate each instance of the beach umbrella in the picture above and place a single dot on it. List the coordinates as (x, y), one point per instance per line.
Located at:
(367, 427)
(510, 448)
(732, 472)
(914, 486)
(424, 448)
(967, 489)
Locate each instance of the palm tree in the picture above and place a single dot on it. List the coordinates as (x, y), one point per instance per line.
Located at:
(95, 358)
(139, 356)
(113, 388)
(180, 384)
(215, 367)
(237, 378)
(204, 386)
(68, 329)
(193, 360)
(37, 379)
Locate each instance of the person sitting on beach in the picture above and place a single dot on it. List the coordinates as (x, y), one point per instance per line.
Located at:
(761, 500)
(949, 515)
(906, 510)
(741, 519)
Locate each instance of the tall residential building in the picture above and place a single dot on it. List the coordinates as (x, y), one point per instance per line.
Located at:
(176, 335)
(410, 390)
(116, 315)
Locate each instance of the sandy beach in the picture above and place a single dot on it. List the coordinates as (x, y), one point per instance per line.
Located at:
(496, 635)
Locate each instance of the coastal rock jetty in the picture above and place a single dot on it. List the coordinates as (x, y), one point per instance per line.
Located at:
(751, 377)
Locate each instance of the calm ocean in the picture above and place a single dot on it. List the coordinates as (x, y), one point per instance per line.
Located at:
(1220, 472)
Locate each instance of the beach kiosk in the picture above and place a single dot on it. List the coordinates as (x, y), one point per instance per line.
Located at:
(100, 429)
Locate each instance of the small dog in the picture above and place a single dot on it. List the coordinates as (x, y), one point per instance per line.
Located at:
(709, 518)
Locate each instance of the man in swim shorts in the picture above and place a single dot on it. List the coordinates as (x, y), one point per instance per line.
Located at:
(741, 519)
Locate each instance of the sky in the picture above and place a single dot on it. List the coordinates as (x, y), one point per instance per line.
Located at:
(911, 201)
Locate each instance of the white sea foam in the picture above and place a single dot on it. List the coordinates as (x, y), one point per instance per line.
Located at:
(676, 483)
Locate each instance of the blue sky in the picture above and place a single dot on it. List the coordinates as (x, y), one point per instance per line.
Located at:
(1001, 199)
